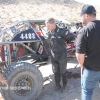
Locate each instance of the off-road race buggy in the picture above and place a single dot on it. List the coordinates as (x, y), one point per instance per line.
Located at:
(24, 47)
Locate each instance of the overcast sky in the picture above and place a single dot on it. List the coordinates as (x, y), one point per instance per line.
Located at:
(93, 2)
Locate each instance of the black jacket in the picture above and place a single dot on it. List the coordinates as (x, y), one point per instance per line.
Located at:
(59, 37)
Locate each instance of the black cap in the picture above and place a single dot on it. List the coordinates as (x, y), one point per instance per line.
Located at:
(88, 9)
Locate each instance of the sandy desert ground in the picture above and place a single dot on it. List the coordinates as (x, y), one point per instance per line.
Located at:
(74, 89)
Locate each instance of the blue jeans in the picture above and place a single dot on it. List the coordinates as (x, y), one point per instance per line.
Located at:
(89, 79)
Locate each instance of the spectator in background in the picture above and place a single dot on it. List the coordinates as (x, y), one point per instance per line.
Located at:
(78, 26)
(37, 30)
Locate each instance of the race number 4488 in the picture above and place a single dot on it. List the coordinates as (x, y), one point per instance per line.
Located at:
(27, 36)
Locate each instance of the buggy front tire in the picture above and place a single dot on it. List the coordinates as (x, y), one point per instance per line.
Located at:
(25, 82)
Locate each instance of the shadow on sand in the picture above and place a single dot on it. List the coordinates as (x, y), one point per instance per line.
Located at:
(48, 92)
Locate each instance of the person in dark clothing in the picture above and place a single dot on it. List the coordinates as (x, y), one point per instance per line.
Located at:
(58, 37)
(78, 26)
(88, 51)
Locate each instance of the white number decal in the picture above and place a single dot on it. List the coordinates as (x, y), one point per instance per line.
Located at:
(33, 35)
(22, 36)
(27, 36)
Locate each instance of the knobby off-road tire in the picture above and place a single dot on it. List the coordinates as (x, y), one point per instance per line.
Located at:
(25, 82)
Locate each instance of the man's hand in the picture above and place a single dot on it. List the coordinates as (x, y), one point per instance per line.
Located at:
(80, 58)
(3, 81)
(82, 69)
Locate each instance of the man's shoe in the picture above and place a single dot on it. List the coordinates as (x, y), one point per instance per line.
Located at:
(64, 88)
(57, 87)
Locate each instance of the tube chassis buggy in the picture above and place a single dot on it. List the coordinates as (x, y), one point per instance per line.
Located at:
(17, 45)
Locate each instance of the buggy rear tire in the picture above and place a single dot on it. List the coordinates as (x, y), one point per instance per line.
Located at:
(25, 82)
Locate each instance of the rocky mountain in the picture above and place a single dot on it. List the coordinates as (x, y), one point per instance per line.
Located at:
(15, 10)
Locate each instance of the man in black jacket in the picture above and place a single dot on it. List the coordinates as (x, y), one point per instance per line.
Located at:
(58, 37)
